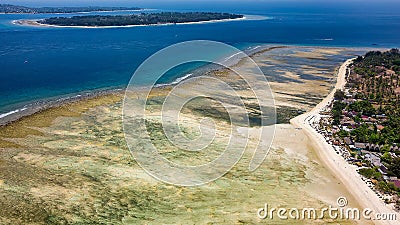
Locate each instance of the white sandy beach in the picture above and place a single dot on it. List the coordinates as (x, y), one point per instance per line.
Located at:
(345, 172)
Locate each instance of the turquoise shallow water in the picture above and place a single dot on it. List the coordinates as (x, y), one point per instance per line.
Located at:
(41, 63)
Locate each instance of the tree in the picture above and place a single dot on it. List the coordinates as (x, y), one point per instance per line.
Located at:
(343, 133)
(367, 172)
(138, 19)
(364, 107)
(394, 167)
(339, 95)
(337, 111)
(386, 157)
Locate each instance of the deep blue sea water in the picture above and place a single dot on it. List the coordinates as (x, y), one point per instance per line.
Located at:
(41, 63)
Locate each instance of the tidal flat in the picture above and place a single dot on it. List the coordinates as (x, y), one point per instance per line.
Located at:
(70, 164)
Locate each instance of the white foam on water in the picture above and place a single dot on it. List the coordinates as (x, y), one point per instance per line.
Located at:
(12, 112)
(175, 81)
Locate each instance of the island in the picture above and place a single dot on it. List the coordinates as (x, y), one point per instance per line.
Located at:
(16, 9)
(134, 19)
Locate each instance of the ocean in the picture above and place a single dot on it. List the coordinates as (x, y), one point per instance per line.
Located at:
(38, 64)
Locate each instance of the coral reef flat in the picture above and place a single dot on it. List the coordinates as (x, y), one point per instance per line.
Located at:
(70, 164)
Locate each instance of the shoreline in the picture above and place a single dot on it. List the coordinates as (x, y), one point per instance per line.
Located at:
(35, 23)
(34, 107)
(28, 108)
(42, 105)
(345, 172)
(343, 189)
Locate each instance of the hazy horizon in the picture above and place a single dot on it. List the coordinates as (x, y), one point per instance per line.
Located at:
(186, 2)
(384, 7)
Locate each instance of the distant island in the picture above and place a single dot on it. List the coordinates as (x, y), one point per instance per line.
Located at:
(142, 19)
(16, 9)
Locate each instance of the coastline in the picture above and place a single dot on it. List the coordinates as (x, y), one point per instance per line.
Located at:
(33, 107)
(345, 172)
(72, 130)
(39, 106)
(34, 23)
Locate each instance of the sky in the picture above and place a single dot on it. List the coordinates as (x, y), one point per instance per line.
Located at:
(162, 2)
(226, 5)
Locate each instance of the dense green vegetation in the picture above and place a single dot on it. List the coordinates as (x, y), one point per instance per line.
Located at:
(339, 95)
(6, 8)
(370, 134)
(372, 105)
(366, 65)
(373, 173)
(370, 173)
(394, 167)
(364, 107)
(363, 133)
(138, 19)
(378, 78)
(337, 108)
(375, 78)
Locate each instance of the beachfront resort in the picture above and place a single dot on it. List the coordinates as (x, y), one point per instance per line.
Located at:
(362, 122)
